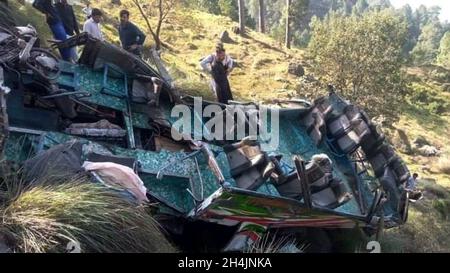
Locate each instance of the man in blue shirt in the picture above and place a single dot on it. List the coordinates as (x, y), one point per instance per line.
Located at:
(131, 37)
(412, 182)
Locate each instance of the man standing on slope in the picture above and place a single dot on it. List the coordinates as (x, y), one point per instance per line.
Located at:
(131, 37)
(87, 10)
(92, 25)
(219, 65)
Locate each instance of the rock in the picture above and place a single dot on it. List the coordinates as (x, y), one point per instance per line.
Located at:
(425, 168)
(279, 79)
(428, 150)
(236, 30)
(116, 2)
(225, 37)
(401, 141)
(309, 79)
(380, 121)
(296, 69)
(170, 27)
(446, 87)
(243, 55)
(260, 62)
(191, 46)
(198, 37)
(420, 141)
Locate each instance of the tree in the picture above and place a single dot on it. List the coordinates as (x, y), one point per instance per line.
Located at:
(288, 24)
(360, 7)
(421, 16)
(241, 17)
(229, 8)
(427, 47)
(295, 19)
(379, 5)
(413, 29)
(362, 57)
(164, 8)
(262, 14)
(444, 51)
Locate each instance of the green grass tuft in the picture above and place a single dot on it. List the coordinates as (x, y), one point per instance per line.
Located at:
(46, 217)
(443, 207)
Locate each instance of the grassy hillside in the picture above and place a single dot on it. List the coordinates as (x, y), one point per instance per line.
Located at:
(262, 63)
(262, 75)
(427, 114)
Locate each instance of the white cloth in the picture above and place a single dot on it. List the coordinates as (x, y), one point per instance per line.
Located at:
(119, 175)
(91, 27)
(207, 61)
(87, 11)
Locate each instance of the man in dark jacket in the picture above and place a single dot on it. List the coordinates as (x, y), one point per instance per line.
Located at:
(55, 23)
(47, 8)
(131, 37)
(68, 17)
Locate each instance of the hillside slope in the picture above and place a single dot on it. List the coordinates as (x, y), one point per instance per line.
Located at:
(262, 62)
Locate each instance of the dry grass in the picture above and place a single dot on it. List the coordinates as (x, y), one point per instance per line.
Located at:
(48, 216)
(268, 243)
(425, 231)
(443, 164)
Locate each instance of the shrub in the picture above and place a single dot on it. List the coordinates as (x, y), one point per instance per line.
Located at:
(443, 206)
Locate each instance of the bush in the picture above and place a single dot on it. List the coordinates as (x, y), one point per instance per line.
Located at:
(427, 99)
(362, 57)
(437, 107)
(420, 96)
(438, 191)
(443, 206)
(440, 76)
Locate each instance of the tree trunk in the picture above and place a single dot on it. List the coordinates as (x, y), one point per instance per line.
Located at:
(262, 16)
(288, 23)
(149, 26)
(241, 17)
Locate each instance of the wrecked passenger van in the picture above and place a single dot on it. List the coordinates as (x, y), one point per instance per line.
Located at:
(332, 167)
